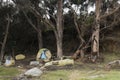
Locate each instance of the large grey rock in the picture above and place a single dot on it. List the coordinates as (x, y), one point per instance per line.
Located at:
(34, 63)
(34, 72)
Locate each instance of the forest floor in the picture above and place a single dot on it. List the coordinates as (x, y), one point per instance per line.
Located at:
(78, 71)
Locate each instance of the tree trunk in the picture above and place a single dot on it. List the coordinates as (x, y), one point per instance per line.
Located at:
(59, 48)
(59, 36)
(37, 29)
(1, 1)
(39, 34)
(79, 52)
(96, 30)
(5, 39)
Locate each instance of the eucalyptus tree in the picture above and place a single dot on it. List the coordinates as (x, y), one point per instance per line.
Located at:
(48, 12)
(55, 12)
(83, 22)
(6, 15)
(103, 10)
(96, 32)
(25, 6)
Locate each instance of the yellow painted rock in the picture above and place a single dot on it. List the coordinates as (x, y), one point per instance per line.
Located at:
(60, 62)
(65, 62)
(20, 57)
(46, 57)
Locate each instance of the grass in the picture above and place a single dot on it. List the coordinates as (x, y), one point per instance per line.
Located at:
(86, 72)
(82, 72)
(111, 56)
(81, 75)
(55, 75)
(6, 73)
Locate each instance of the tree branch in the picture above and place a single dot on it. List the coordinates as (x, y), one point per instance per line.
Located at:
(30, 22)
(106, 15)
(46, 21)
(1, 43)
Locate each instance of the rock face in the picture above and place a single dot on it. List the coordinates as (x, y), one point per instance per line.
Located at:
(34, 72)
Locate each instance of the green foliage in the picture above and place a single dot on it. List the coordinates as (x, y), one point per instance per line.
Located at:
(78, 2)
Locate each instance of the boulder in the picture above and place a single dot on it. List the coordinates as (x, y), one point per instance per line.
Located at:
(60, 62)
(43, 55)
(20, 57)
(34, 63)
(112, 64)
(65, 62)
(34, 72)
(9, 61)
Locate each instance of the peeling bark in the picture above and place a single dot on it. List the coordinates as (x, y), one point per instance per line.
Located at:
(96, 30)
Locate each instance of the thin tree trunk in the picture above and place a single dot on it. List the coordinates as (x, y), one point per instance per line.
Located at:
(39, 34)
(37, 29)
(96, 29)
(1, 1)
(59, 36)
(80, 50)
(5, 39)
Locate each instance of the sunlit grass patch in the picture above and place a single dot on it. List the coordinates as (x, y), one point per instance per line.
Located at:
(7, 72)
(111, 75)
(55, 75)
(81, 75)
(111, 56)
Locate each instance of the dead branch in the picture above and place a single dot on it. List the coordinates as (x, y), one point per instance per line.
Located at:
(46, 21)
(78, 54)
(111, 25)
(30, 22)
(106, 15)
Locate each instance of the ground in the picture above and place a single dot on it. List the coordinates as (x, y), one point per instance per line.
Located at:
(78, 71)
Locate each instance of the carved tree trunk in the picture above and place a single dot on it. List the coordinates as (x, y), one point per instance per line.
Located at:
(59, 36)
(96, 30)
(5, 39)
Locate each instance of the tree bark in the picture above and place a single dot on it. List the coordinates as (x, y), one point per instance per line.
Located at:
(59, 36)
(96, 30)
(1, 1)
(37, 29)
(5, 39)
(39, 34)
